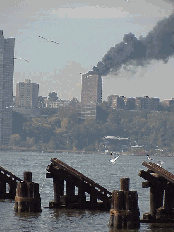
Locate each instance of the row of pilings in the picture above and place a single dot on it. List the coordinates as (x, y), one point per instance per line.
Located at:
(123, 203)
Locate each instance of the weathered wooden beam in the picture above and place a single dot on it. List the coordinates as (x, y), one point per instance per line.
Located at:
(146, 184)
(147, 176)
(49, 175)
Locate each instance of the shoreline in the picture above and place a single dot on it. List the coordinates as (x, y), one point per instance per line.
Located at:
(23, 149)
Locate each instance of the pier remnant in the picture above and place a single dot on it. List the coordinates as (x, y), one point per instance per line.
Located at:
(124, 212)
(161, 183)
(27, 195)
(8, 178)
(71, 188)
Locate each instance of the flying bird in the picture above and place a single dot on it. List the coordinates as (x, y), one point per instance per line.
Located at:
(21, 59)
(149, 158)
(48, 40)
(114, 159)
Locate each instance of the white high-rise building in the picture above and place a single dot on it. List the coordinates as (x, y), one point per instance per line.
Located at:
(6, 87)
(27, 94)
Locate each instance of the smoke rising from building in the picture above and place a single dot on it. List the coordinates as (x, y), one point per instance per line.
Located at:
(157, 45)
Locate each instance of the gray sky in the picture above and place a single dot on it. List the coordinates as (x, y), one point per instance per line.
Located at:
(85, 32)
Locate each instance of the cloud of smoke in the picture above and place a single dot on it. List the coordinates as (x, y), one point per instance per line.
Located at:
(157, 45)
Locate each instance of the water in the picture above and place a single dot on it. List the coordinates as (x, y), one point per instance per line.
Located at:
(95, 166)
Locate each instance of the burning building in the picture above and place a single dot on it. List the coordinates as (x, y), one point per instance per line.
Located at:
(91, 95)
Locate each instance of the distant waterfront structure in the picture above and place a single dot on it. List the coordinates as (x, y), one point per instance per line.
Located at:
(56, 104)
(91, 95)
(27, 94)
(6, 87)
(116, 143)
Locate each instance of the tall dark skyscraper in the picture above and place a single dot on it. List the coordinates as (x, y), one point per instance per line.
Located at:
(91, 95)
(6, 87)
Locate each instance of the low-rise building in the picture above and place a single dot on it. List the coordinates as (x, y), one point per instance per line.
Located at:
(116, 143)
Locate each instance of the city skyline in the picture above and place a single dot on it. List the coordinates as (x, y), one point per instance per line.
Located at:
(85, 32)
(122, 95)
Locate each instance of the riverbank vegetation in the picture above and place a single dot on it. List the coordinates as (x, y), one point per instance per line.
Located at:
(63, 130)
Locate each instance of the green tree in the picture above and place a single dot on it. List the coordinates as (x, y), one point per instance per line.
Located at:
(52, 96)
(15, 140)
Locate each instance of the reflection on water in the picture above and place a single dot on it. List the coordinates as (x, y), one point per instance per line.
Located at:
(95, 166)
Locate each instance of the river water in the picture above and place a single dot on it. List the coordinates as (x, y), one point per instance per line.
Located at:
(95, 166)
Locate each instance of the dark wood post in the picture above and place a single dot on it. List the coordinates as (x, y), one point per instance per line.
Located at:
(12, 190)
(124, 182)
(156, 199)
(169, 199)
(58, 185)
(27, 176)
(93, 198)
(81, 195)
(2, 189)
(21, 195)
(70, 193)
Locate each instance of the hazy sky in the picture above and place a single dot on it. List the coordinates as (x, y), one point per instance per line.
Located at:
(85, 32)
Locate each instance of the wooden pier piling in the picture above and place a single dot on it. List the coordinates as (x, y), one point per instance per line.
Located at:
(124, 212)
(100, 197)
(27, 195)
(10, 180)
(161, 183)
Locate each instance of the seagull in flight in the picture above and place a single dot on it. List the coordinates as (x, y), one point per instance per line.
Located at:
(48, 40)
(21, 59)
(114, 159)
(149, 158)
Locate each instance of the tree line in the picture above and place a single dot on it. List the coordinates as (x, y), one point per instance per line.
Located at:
(63, 130)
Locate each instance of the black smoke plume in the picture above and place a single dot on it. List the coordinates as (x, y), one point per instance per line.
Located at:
(157, 45)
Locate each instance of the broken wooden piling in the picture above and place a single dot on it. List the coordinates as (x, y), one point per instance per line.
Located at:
(27, 195)
(99, 197)
(124, 212)
(9, 178)
(161, 183)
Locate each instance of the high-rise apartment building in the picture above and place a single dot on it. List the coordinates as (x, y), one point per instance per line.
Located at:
(91, 95)
(6, 87)
(116, 102)
(27, 94)
(146, 103)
